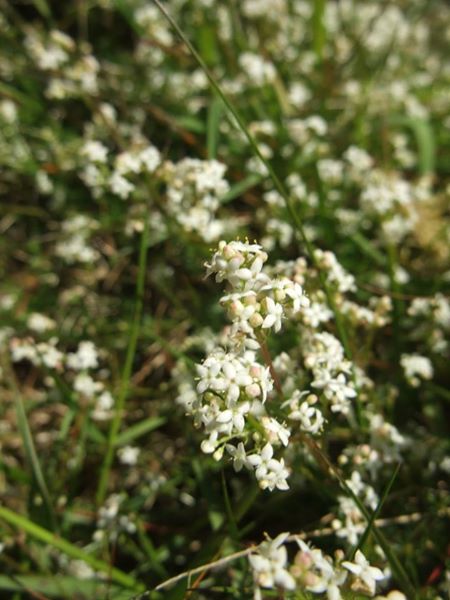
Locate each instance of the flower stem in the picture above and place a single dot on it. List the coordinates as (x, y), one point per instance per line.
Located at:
(280, 187)
(126, 376)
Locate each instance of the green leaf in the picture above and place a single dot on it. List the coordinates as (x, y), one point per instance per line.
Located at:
(369, 249)
(424, 136)
(425, 144)
(241, 187)
(95, 434)
(43, 8)
(190, 123)
(139, 429)
(214, 509)
(30, 450)
(231, 515)
(207, 44)
(153, 554)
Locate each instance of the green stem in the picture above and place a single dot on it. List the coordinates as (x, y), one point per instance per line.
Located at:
(395, 287)
(63, 545)
(126, 376)
(375, 513)
(319, 31)
(276, 181)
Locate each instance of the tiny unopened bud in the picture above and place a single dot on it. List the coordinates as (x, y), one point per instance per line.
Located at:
(303, 559)
(218, 454)
(339, 554)
(255, 371)
(256, 320)
(228, 251)
(310, 579)
(280, 295)
(235, 308)
(253, 390)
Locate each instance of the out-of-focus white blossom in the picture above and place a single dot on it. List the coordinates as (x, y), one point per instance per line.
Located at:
(416, 368)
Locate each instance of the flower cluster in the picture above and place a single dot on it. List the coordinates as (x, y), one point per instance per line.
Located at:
(233, 387)
(194, 191)
(256, 301)
(311, 570)
(324, 356)
(72, 74)
(118, 174)
(77, 366)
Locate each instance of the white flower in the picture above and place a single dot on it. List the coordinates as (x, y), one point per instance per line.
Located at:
(274, 314)
(416, 367)
(128, 455)
(311, 419)
(258, 70)
(235, 416)
(364, 572)
(86, 357)
(127, 162)
(321, 575)
(336, 274)
(210, 445)
(50, 356)
(239, 263)
(95, 151)
(103, 406)
(239, 455)
(150, 158)
(209, 373)
(80, 570)
(84, 384)
(8, 110)
(315, 314)
(120, 186)
(270, 472)
(275, 431)
(40, 323)
(23, 350)
(269, 564)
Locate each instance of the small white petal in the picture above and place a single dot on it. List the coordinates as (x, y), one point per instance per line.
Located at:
(269, 321)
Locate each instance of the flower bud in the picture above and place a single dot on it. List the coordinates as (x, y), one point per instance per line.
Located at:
(280, 295)
(253, 390)
(256, 320)
(218, 454)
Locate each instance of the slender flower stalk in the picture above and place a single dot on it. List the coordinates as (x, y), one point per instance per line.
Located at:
(277, 182)
(127, 370)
